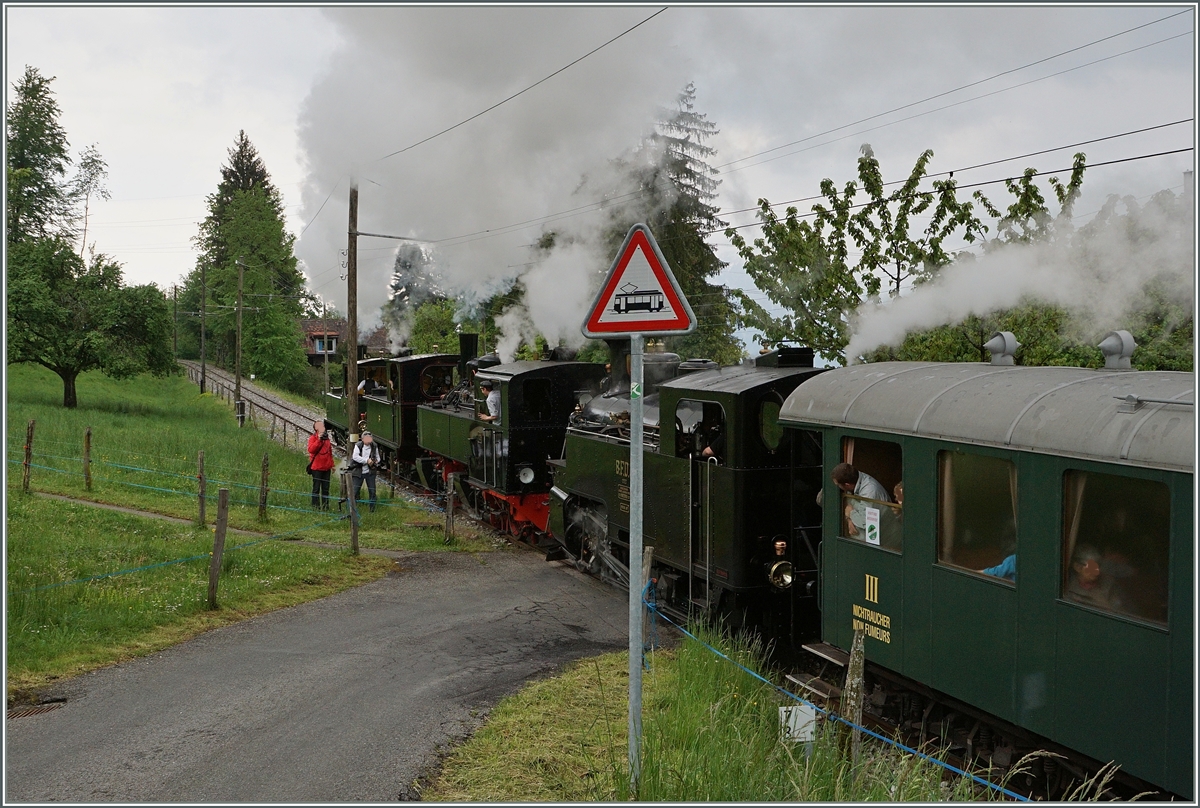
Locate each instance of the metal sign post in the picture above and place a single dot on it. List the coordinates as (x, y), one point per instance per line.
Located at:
(636, 584)
(639, 298)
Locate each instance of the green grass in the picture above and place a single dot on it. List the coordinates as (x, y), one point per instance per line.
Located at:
(710, 733)
(146, 436)
(56, 631)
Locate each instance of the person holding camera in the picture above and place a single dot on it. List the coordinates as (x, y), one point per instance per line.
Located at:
(364, 461)
(320, 464)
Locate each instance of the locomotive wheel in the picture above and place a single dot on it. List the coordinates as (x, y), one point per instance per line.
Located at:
(583, 547)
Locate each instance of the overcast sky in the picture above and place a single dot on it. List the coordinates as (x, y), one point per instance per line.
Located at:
(324, 94)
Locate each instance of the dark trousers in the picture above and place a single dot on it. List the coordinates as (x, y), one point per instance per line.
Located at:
(320, 491)
(356, 481)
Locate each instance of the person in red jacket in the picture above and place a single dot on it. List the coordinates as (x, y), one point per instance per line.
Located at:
(320, 455)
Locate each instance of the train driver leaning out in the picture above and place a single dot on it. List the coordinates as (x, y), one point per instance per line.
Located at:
(858, 484)
(492, 403)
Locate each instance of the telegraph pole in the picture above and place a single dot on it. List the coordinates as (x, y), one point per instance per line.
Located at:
(352, 316)
(175, 329)
(203, 309)
(325, 341)
(237, 362)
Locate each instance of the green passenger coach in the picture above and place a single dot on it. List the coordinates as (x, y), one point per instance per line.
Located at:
(1026, 558)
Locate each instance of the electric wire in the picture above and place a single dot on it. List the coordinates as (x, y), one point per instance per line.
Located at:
(521, 92)
(957, 89)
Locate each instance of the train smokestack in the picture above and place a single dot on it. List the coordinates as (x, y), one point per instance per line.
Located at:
(468, 349)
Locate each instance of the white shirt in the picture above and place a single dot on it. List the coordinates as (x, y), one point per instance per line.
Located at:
(493, 405)
(362, 452)
(870, 488)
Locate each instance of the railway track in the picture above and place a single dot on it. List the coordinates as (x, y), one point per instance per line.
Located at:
(289, 424)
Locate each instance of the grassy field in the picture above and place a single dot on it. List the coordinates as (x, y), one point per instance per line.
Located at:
(711, 733)
(146, 434)
(57, 628)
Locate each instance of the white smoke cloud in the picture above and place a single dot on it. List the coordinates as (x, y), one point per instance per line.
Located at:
(404, 73)
(1101, 280)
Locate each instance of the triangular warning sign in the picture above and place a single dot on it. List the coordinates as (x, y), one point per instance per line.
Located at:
(640, 294)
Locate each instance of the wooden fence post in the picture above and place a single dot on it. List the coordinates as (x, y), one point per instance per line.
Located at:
(272, 426)
(353, 506)
(214, 564)
(852, 694)
(202, 485)
(450, 511)
(87, 458)
(28, 456)
(262, 491)
(647, 560)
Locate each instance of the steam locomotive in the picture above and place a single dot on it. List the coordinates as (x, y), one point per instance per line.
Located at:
(1028, 585)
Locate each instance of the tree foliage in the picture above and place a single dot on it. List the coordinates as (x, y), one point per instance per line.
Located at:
(677, 187)
(71, 318)
(806, 267)
(245, 228)
(62, 313)
(38, 199)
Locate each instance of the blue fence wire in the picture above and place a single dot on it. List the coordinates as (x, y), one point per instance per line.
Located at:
(651, 605)
(176, 560)
(216, 482)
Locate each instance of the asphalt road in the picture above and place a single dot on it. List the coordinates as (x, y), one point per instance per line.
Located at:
(346, 698)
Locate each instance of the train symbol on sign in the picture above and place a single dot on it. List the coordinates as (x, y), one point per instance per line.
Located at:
(633, 299)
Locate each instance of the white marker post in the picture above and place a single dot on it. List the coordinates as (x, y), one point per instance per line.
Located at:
(639, 298)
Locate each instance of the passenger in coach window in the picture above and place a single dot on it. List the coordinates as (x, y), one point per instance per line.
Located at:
(859, 484)
(1088, 583)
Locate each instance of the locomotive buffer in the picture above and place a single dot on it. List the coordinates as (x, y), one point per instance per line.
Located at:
(639, 298)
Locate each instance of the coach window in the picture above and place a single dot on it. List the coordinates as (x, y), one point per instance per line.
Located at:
(1116, 533)
(870, 512)
(977, 514)
(769, 428)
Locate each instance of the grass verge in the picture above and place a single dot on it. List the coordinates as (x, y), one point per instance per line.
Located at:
(711, 734)
(58, 627)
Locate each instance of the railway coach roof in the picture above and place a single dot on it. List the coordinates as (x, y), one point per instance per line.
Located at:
(1065, 411)
(733, 379)
(512, 369)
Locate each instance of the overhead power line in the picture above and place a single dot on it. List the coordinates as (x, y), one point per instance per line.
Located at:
(978, 185)
(466, 238)
(522, 92)
(989, 163)
(957, 89)
(489, 109)
(956, 103)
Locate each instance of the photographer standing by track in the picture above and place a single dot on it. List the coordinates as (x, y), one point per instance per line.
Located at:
(320, 464)
(363, 463)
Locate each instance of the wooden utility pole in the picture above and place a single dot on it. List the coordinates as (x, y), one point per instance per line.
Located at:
(214, 565)
(352, 318)
(203, 309)
(237, 361)
(175, 329)
(87, 458)
(325, 341)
